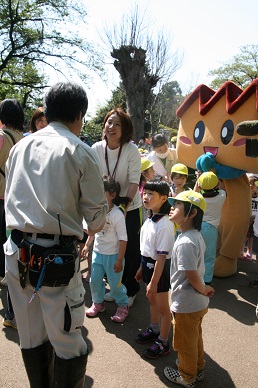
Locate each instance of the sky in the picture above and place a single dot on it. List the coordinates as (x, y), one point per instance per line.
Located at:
(206, 33)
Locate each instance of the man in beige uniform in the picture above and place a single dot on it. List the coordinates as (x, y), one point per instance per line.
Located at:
(52, 182)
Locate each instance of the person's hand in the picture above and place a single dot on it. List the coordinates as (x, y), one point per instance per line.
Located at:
(167, 178)
(118, 266)
(151, 291)
(138, 276)
(84, 252)
(209, 291)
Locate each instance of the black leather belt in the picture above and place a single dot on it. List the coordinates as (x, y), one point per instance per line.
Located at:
(42, 235)
(18, 236)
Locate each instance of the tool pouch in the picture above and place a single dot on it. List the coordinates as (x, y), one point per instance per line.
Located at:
(60, 265)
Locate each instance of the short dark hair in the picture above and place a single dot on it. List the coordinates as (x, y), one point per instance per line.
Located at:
(197, 220)
(126, 124)
(159, 140)
(162, 188)
(65, 101)
(11, 114)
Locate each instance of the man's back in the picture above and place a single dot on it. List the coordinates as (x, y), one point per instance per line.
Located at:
(53, 168)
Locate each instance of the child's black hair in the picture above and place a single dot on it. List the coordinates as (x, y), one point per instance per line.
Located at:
(177, 173)
(210, 193)
(162, 188)
(197, 220)
(112, 186)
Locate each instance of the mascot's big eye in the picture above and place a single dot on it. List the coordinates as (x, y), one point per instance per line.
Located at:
(227, 131)
(199, 132)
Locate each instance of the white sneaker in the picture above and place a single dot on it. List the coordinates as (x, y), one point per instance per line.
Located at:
(131, 300)
(3, 281)
(108, 297)
(257, 311)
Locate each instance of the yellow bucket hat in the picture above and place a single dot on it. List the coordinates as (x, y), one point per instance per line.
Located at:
(189, 196)
(208, 180)
(146, 163)
(179, 168)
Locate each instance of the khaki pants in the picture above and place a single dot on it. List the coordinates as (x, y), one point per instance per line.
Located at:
(187, 341)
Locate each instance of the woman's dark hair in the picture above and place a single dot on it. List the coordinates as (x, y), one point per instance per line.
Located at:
(126, 125)
(159, 140)
(38, 113)
(11, 114)
(197, 220)
(162, 188)
(65, 101)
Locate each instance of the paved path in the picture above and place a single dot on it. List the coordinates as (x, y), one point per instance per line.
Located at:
(230, 334)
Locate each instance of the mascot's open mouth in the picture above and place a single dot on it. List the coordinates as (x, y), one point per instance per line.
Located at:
(212, 150)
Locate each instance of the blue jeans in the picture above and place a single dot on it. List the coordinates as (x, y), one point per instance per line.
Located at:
(210, 236)
(101, 265)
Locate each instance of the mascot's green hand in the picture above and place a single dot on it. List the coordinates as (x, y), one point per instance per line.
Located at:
(207, 162)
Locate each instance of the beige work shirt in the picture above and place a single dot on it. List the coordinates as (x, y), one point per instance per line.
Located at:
(53, 172)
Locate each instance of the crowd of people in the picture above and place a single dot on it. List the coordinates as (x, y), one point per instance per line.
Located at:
(135, 215)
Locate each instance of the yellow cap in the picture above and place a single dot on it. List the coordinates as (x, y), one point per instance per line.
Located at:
(256, 183)
(146, 163)
(174, 139)
(208, 180)
(189, 196)
(179, 168)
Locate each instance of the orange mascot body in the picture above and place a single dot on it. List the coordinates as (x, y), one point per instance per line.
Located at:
(208, 140)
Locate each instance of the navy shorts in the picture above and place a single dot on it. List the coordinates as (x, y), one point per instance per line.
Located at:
(147, 271)
(255, 245)
(84, 239)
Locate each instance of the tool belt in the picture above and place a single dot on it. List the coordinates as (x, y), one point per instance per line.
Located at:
(51, 267)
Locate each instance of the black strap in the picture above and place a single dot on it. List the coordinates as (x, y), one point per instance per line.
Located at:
(10, 135)
(14, 142)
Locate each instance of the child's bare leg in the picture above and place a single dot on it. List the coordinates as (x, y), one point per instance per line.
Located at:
(249, 247)
(164, 313)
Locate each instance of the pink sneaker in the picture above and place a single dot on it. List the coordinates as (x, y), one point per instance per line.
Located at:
(120, 315)
(95, 309)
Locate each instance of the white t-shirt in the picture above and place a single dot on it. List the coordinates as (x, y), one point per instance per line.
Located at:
(128, 167)
(214, 207)
(187, 255)
(107, 240)
(157, 237)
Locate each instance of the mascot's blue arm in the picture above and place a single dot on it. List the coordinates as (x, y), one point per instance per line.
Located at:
(207, 161)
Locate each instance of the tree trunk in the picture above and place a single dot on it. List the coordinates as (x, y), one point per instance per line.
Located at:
(137, 82)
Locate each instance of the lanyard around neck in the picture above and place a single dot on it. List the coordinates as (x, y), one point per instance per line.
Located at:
(107, 164)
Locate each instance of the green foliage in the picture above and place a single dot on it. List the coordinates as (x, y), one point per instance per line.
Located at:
(171, 131)
(164, 104)
(94, 126)
(242, 69)
(93, 130)
(41, 34)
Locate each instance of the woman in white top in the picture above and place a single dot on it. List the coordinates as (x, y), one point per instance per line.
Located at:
(163, 157)
(121, 159)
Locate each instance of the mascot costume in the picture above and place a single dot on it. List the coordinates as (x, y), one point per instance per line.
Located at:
(218, 132)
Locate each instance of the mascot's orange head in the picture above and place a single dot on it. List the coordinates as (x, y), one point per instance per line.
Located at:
(208, 121)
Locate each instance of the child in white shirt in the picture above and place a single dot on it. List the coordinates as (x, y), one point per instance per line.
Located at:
(108, 258)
